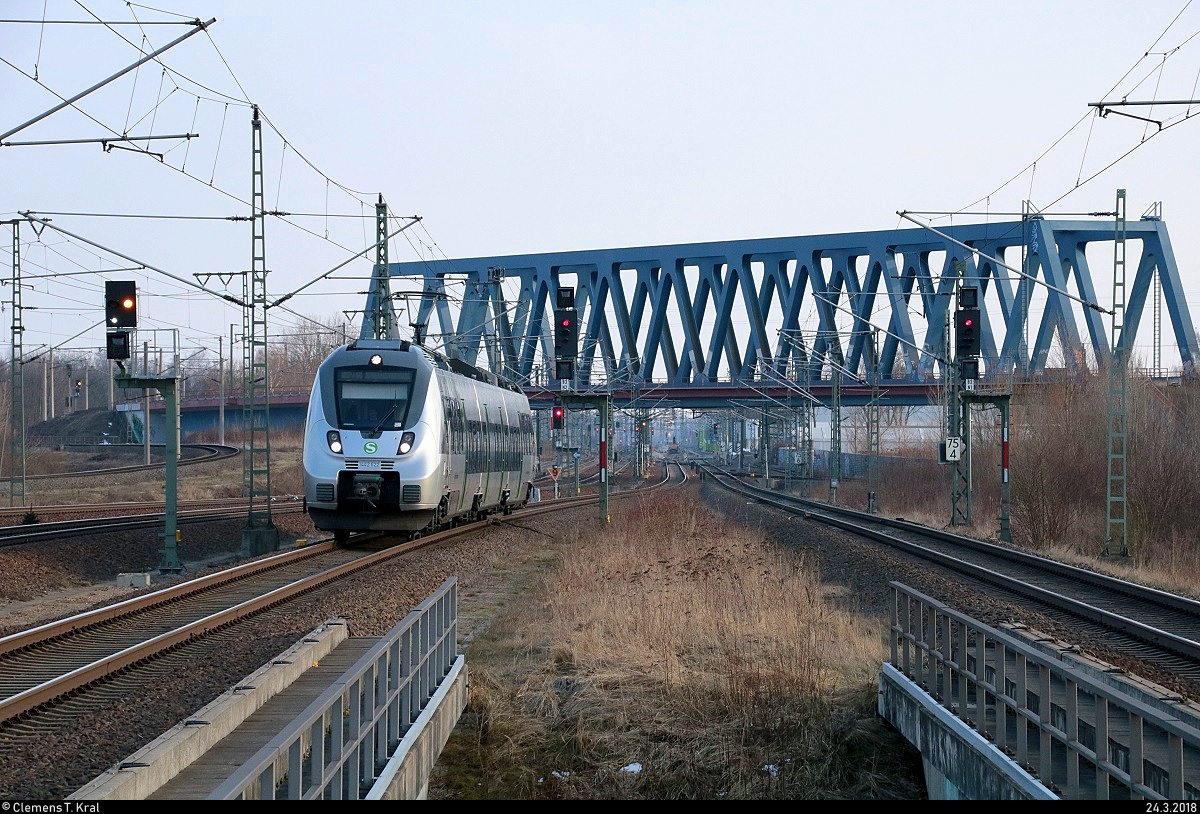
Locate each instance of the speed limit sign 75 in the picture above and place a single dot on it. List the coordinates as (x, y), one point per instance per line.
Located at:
(954, 449)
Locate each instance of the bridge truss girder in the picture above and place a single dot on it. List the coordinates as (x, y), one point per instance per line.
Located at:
(697, 314)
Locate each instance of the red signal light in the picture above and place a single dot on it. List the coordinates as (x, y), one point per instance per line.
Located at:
(558, 411)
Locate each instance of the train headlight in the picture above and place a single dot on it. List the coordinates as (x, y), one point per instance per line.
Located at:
(406, 443)
(334, 439)
(376, 359)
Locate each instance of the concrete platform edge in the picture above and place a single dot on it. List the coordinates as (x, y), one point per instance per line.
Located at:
(152, 766)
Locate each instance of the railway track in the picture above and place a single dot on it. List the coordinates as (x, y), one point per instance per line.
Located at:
(208, 454)
(77, 666)
(82, 519)
(1144, 623)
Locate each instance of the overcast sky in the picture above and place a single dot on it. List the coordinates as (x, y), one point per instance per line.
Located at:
(526, 127)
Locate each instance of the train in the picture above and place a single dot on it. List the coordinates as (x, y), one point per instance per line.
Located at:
(400, 438)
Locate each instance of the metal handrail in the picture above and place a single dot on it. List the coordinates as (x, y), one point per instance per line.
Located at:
(336, 747)
(1086, 735)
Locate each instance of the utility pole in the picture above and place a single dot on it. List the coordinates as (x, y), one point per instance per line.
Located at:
(835, 433)
(260, 535)
(765, 445)
(873, 411)
(221, 389)
(958, 414)
(168, 388)
(807, 417)
(16, 480)
(605, 420)
(146, 402)
(1116, 540)
(380, 320)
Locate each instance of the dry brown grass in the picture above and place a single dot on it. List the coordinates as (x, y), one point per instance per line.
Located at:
(692, 649)
(1059, 486)
(200, 481)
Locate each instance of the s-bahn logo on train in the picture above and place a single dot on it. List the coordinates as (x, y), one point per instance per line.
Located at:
(370, 447)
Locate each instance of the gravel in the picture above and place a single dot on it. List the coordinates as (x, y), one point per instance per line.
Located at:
(859, 572)
(53, 581)
(48, 582)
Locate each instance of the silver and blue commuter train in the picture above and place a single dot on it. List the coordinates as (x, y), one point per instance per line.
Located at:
(400, 438)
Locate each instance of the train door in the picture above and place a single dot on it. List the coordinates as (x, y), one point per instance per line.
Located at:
(452, 445)
(477, 457)
(505, 457)
(488, 476)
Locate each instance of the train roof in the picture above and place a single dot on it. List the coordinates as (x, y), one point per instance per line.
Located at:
(436, 359)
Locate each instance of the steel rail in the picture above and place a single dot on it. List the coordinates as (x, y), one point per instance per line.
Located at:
(219, 453)
(18, 535)
(855, 522)
(26, 701)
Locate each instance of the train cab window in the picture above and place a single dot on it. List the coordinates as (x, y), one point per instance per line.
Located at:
(371, 399)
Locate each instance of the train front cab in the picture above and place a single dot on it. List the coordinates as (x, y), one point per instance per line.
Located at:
(372, 463)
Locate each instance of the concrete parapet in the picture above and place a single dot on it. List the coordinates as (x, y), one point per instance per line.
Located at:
(959, 762)
(152, 766)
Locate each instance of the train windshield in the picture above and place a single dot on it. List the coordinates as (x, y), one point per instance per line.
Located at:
(373, 399)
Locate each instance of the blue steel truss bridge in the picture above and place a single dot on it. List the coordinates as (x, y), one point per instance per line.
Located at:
(704, 324)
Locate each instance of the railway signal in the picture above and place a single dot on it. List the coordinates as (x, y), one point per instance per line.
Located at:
(566, 333)
(120, 303)
(116, 344)
(557, 417)
(966, 332)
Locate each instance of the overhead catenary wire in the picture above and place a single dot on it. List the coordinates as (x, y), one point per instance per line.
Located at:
(263, 115)
(1092, 305)
(217, 294)
(1032, 166)
(47, 213)
(68, 102)
(173, 73)
(145, 55)
(413, 222)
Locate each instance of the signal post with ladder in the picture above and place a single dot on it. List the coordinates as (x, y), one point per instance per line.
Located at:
(566, 356)
(962, 393)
